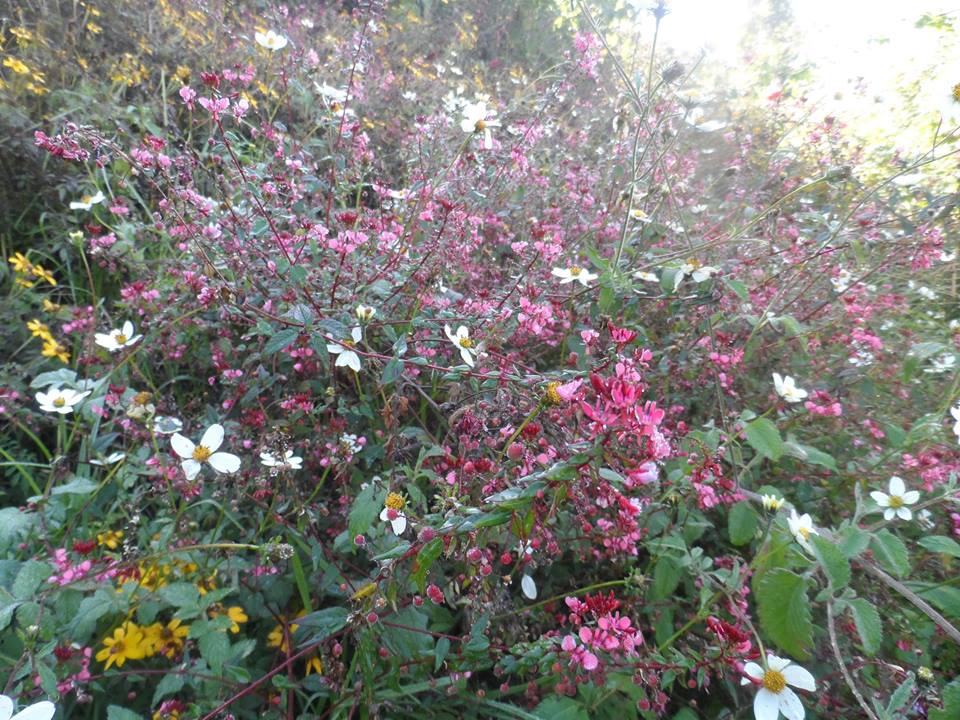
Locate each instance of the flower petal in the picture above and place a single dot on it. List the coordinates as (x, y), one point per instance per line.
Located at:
(399, 524)
(213, 437)
(450, 336)
(790, 705)
(799, 677)
(6, 707)
(182, 446)
(128, 329)
(384, 514)
(467, 357)
(225, 462)
(905, 513)
(356, 334)
(777, 663)
(352, 361)
(910, 497)
(191, 468)
(766, 705)
(897, 486)
(753, 670)
(889, 514)
(43, 710)
(881, 499)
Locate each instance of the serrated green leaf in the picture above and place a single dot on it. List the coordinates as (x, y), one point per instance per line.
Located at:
(180, 594)
(900, 697)
(853, 541)
(322, 624)
(951, 703)
(764, 437)
(279, 340)
(440, 653)
(28, 581)
(115, 712)
(784, 610)
(666, 576)
(425, 559)
(366, 508)
(742, 523)
(391, 371)
(890, 552)
(834, 564)
(867, 620)
(941, 544)
(171, 684)
(215, 649)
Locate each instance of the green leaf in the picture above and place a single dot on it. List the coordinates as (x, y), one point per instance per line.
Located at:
(365, 509)
(215, 649)
(941, 544)
(867, 620)
(784, 611)
(853, 541)
(738, 287)
(834, 564)
(666, 577)
(391, 371)
(323, 623)
(809, 455)
(28, 581)
(115, 712)
(764, 437)
(13, 523)
(440, 653)
(407, 644)
(951, 703)
(280, 340)
(425, 559)
(170, 685)
(180, 594)
(560, 708)
(900, 697)
(742, 523)
(890, 552)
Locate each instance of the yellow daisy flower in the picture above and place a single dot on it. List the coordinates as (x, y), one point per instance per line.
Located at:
(125, 644)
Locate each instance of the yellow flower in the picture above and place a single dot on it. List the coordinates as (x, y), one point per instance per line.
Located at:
(154, 576)
(94, 28)
(16, 65)
(208, 583)
(236, 614)
(111, 538)
(20, 263)
(23, 282)
(166, 639)
(39, 271)
(278, 639)
(38, 329)
(315, 665)
(125, 644)
(50, 307)
(52, 348)
(182, 73)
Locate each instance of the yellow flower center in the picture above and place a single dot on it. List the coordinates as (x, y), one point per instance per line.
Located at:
(480, 126)
(804, 533)
(466, 343)
(59, 402)
(201, 454)
(774, 681)
(576, 270)
(896, 501)
(121, 339)
(395, 501)
(141, 398)
(552, 396)
(956, 93)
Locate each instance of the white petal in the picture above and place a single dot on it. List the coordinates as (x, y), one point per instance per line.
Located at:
(352, 361)
(268, 460)
(889, 514)
(450, 336)
(213, 437)
(128, 329)
(881, 499)
(766, 705)
(135, 338)
(6, 707)
(487, 139)
(225, 462)
(399, 524)
(776, 663)
(753, 670)
(560, 272)
(384, 514)
(38, 711)
(904, 513)
(896, 486)
(356, 334)
(182, 446)
(105, 341)
(790, 705)
(910, 497)
(191, 468)
(529, 587)
(799, 677)
(467, 357)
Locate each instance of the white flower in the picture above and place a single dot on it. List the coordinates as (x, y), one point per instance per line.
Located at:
(842, 281)
(87, 201)
(773, 696)
(332, 94)
(941, 364)
(349, 443)
(647, 276)
(270, 40)
(771, 502)
(950, 102)
(393, 513)
(365, 313)
(164, 425)
(477, 118)
(193, 456)
(289, 461)
(896, 502)
(60, 401)
(574, 272)
(699, 273)
(307, 23)
(802, 528)
(529, 587)
(118, 339)
(463, 343)
(110, 459)
(786, 388)
(42, 710)
(346, 357)
(955, 411)
(925, 292)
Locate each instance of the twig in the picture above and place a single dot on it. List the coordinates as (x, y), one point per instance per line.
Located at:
(841, 663)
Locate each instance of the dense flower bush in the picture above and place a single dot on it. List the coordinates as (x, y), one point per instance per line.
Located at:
(373, 367)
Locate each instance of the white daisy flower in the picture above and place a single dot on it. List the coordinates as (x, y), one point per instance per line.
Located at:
(42, 710)
(774, 696)
(365, 313)
(895, 504)
(842, 281)
(346, 357)
(802, 528)
(771, 502)
(574, 272)
(88, 201)
(118, 339)
(955, 412)
(110, 459)
(393, 513)
(350, 443)
(193, 456)
(289, 461)
(477, 118)
(463, 343)
(646, 276)
(699, 273)
(165, 425)
(786, 388)
(270, 40)
(60, 401)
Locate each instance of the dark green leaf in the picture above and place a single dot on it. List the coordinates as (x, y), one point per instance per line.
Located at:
(867, 620)
(742, 523)
(764, 437)
(784, 611)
